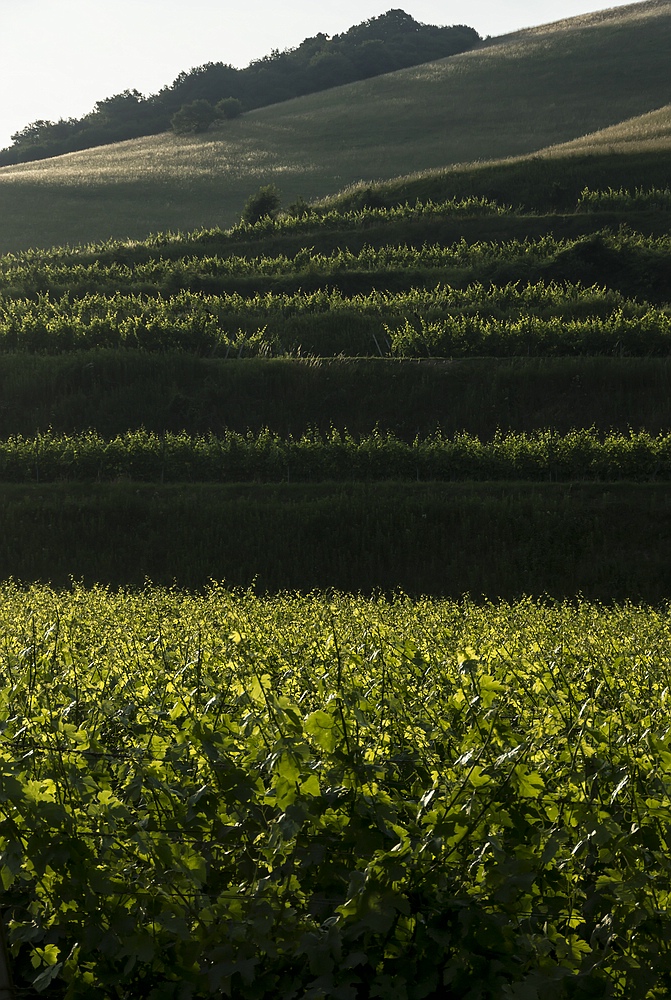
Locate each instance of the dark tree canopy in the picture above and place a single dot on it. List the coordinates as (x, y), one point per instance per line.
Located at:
(261, 205)
(379, 45)
(194, 117)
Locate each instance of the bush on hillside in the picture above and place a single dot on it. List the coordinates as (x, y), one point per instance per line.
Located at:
(194, 117)
(229, 107)
(300, 208)
(262, 205)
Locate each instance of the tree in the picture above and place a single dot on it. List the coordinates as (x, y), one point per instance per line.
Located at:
(121, 106)
(264, 204)
(229, 107)
(194, 117)
(34, 132)
(329, 69)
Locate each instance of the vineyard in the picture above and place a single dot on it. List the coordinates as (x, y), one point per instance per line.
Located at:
(335, 629)
(349, 344)
(390, 301)
(541, 319)
(334, 797)
(142, 456)
(621, 200)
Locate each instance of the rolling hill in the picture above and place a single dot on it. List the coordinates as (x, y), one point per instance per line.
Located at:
(633, 153)
(649, 132)
(511, 96)
(335, 550)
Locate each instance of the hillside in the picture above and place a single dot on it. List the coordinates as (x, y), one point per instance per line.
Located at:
(335, 550)
(392, 387)
(377, 45)
(644, 133)
(512, 96)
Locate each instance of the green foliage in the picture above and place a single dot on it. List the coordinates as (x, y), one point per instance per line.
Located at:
(541, 319)
(196, 116)
(620, 200)
(300, 208)
(333, 797)
(440, 301)
(229, 107)
(544, 456)
(214, 261)
(262, 205)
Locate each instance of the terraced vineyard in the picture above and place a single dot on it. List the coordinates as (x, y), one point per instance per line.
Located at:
(366, 792)
(244, 360)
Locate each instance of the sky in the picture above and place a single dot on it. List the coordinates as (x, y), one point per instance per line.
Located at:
(58, 57)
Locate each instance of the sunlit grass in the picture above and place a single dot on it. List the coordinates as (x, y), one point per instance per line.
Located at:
(509, 98)
(643, 133)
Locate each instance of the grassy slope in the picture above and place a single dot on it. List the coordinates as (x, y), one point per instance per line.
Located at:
(512, 96)
(633, 153)
(116, 391)
(643, 133)
(608, 542)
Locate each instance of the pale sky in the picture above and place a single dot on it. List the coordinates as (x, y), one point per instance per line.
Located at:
(58, 57)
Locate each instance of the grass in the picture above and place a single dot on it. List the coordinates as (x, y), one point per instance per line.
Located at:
(497, 540)
(510, 97)
(112, 392)
(643, 133)
(549, 181)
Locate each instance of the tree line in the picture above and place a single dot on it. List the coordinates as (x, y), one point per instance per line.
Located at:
(378, 45)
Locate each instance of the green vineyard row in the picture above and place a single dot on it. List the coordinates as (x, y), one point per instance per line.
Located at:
(543, 456)
(199, 263)
(620, 199)
(304, 217)
(333, 796)
(539, 319)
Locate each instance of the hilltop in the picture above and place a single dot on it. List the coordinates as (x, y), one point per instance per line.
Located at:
(378, 45)
(510, 97)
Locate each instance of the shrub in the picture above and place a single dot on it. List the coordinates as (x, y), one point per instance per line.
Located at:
(229, 107)
(194, 117)
(264, 204)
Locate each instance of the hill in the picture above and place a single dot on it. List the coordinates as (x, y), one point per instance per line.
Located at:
(511, 96)
(311, 530)
(633, 153)
(378, 45)
(643, 133)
